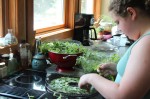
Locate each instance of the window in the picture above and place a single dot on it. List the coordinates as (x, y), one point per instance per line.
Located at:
(86, 6)
(50, 16)
(19, 16)
(56, 14)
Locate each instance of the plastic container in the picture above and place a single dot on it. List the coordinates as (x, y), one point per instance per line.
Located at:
(10, 38)
(25, 54)
(106, 27)
(3, 70)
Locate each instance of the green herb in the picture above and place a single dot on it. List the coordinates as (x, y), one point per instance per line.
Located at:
(60, 97)
(30, 97)
(61, 47)
(91, 60)
(64, 85)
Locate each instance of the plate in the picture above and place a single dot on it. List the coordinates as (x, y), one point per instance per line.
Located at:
(104, 47)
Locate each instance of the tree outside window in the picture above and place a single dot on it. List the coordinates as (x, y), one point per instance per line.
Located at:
(87, 6)
(48, 13)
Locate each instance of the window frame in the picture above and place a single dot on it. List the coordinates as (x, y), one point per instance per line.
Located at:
(62, 33)
(71, 7)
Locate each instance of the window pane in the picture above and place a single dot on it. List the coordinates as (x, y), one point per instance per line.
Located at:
(87, 6)
(48, 13)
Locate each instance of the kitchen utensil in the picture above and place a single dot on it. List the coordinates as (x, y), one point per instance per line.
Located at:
(83, 28)
(39, 62)
(64, 62)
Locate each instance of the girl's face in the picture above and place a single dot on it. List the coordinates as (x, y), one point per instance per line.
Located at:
(126, 25)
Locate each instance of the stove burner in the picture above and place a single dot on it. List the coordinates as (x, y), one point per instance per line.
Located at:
(28, 79)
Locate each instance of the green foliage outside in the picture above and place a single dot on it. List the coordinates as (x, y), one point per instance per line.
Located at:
(43, 5)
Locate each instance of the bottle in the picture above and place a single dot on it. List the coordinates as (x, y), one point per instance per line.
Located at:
(25, 54)
(12, 63)
(37, 44)
(10, 38)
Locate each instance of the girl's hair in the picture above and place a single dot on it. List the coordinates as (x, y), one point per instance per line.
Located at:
(119, 7)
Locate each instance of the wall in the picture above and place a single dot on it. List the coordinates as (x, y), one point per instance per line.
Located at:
(104, 7)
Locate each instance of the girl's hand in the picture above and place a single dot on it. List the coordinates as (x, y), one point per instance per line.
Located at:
(84, 81)
(107, 69)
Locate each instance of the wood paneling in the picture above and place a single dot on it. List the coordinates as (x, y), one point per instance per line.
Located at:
(14, 18)
(1, 29)
(29, 25)
(5, 16)
(70, 11)
(97, 8)
(21, 20)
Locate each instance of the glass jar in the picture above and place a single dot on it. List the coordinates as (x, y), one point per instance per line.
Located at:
(10, 38)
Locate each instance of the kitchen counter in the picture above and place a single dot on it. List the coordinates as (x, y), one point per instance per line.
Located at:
(8, 90)
(107, 47)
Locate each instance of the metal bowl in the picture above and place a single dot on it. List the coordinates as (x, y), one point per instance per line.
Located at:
(49, 89)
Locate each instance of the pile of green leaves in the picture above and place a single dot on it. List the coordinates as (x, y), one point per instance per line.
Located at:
(91, 60)
(61, 47)
(62, 85)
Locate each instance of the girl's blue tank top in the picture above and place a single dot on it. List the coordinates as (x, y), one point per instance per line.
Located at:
(121, 66)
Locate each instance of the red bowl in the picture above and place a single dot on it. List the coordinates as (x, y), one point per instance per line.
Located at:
(64, 62)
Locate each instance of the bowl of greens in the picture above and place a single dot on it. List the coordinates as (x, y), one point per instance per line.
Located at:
(67, 86)
(63, 53)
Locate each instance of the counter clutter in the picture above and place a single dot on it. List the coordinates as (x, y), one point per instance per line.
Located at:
(31, 83)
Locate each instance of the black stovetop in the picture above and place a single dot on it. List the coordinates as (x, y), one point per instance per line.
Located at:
(23, 84)
(27, 83)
